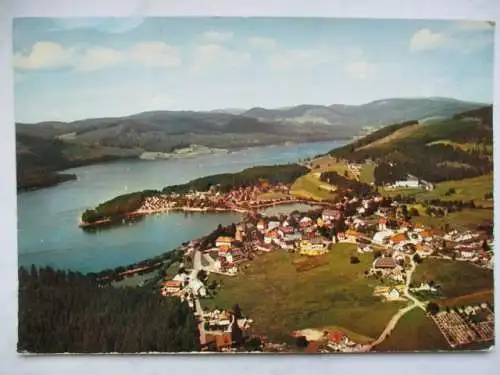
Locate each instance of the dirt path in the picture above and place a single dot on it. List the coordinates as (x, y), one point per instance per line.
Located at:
(400, 313)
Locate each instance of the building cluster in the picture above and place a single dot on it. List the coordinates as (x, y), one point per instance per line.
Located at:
(339, 342)
(240, 198)
(411, 182)
(470, 246)
(185, 287)
(373, 224)
(463, 325)
(389, 293)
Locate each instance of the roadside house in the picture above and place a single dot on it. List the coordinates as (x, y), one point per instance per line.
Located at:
(223, 241)
(384, 263)
(331, 215)
(171, 288)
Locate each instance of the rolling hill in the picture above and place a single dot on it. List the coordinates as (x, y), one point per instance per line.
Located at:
(376, 113)
(453, 148)
(46, 147)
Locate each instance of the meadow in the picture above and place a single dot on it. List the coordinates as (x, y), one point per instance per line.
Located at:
(280, 300)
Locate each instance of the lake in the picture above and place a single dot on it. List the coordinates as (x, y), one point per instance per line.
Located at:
(48, 232)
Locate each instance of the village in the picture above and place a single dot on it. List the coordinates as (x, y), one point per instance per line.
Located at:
(375, 225)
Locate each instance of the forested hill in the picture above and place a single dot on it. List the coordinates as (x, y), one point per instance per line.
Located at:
(64, 311)
(285, 174)
(435, 150)
(46, 147)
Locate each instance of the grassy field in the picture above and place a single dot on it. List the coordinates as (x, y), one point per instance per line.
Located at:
(270, 195)
(173, 269)
(467, 218)
(477, 297)
(310, 187)
(135, 280)
(464, 146)
(456, 278)
(328, 164)
(466, 190)
(367, 173)
(281, 300)
(414, 332)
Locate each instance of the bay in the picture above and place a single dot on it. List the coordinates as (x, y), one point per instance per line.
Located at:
(48, 232)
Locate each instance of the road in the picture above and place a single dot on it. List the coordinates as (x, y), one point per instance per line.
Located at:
(197, 266)
(406, 292)
(400, 313)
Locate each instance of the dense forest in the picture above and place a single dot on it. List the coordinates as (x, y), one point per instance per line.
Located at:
(117, 207)
(226, 181)
(38, 160)
(64, 311)
(439, 150)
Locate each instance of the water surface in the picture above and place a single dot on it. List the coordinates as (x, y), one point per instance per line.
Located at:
(48, 232)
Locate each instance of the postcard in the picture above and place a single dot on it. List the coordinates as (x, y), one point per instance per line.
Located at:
(267, 185)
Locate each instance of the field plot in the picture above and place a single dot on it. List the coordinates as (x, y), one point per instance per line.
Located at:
(415, 331)
(334, 294)
(456, 278)
(310, 187)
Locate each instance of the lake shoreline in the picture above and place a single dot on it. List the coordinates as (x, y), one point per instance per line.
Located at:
(108, 159)
(140, 213)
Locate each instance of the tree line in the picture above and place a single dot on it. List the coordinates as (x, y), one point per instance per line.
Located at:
(65, 311)
(225, 182)
(349, 186)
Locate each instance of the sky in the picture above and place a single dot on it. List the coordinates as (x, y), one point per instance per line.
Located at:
(68, 69)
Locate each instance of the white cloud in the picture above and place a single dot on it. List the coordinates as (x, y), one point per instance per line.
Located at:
(261, 42)
(48, 55)
(213, 55)
(475, 25)
(96, 58)
(153, 54)
(216, 36)
(113, 25)
(44, 55)
(361, 69)
(425, 39)
(299, 58)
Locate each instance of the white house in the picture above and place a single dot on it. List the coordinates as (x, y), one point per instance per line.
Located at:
(198, 288)
(382, 224)
(217, 265)
(330, 215)
(467, 253)
(223, 241)
(305, 221)
(411, 182)
(380, 237)
(272, 225)
(261, 225)
(180, 277)
(394, 293)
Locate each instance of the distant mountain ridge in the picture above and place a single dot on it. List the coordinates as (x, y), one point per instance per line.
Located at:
(378, 112)
(56, 145)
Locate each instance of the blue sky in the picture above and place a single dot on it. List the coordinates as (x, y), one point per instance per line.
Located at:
(70, 69)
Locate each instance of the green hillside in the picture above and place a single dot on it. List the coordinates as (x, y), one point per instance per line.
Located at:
(454, 148)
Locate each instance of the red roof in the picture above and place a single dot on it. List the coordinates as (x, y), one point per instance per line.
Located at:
(398, 238)
(335, 336)
(172, 284)
(386, 262)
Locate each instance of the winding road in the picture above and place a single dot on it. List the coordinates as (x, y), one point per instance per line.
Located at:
(400, 313)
